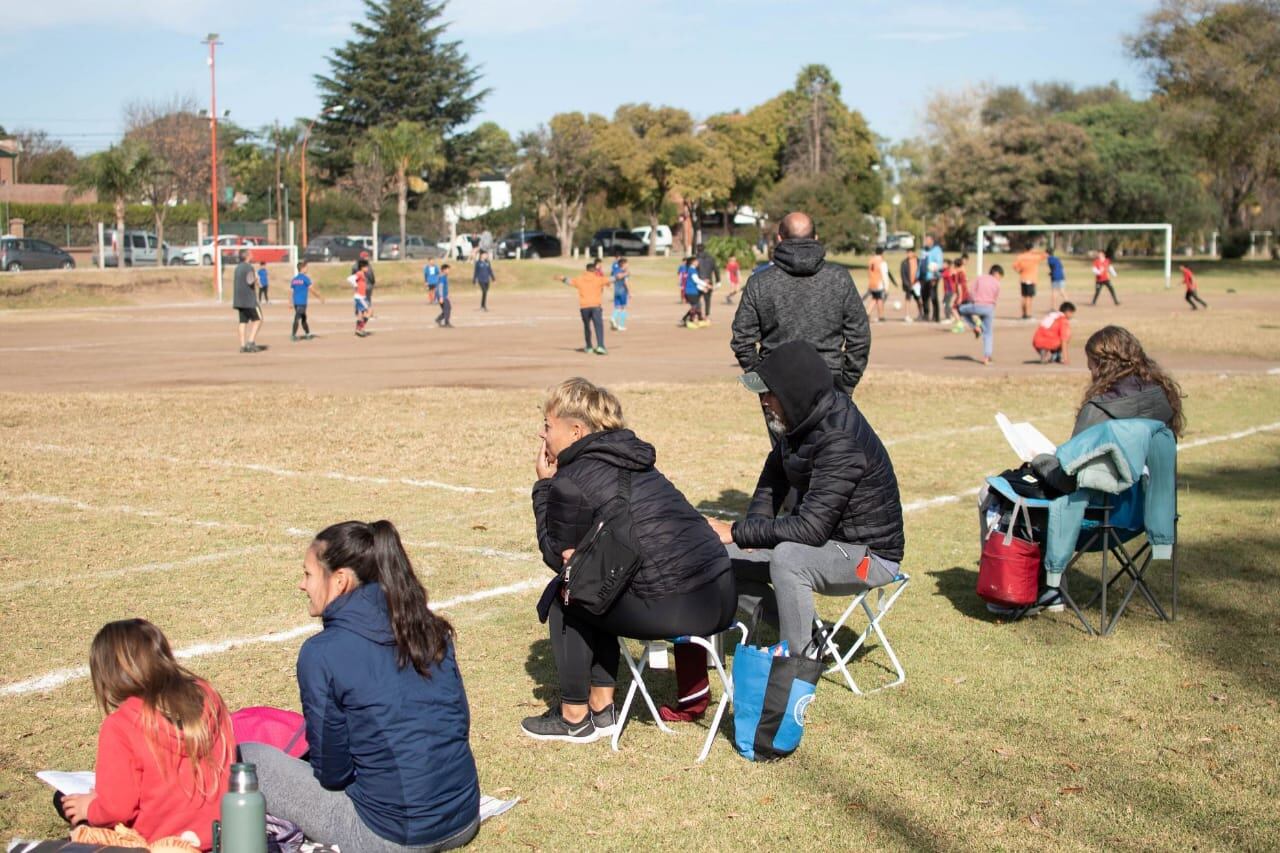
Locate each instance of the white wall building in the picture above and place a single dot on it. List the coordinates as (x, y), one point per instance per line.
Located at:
(478, 199)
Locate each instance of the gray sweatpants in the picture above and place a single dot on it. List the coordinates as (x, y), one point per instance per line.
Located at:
(292, 793)
(791, 573)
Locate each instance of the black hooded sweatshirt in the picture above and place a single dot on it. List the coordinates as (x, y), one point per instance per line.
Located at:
(680, 551)
(800, 297)
(844, 479)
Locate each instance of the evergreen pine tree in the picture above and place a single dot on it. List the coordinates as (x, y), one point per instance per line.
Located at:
(399, 67)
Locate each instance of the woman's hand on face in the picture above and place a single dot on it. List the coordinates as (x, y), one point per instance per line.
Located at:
(76, 807)
(545, 464)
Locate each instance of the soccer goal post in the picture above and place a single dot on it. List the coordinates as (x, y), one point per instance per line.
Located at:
(984, 230)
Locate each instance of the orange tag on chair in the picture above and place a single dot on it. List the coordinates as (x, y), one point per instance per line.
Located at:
(863, 568)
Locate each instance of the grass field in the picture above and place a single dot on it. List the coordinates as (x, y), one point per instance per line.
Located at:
(192, 507)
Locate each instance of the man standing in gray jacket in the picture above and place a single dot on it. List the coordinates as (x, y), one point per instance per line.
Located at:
(802, 297)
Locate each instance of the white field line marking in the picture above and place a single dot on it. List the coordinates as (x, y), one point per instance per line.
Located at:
(198, 560)
(59, 677)
(270, 469)
(120, 509)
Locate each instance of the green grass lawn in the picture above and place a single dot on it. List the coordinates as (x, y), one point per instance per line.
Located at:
(192, 508)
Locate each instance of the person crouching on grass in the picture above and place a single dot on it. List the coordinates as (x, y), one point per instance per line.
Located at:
(166, 746)
(387, 721)
(360, 288)
(684, 585)
(1053, 334)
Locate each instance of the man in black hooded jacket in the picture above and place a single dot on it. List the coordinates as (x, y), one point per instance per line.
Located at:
(845, 533)
(801, 297)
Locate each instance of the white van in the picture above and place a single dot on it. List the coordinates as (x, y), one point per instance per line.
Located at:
(140, 249)
(665, 240)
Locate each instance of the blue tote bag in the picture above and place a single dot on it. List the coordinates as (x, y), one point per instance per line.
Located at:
(772, 691)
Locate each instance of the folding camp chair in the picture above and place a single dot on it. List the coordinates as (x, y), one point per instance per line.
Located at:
(883, 604)
(1111, 524)
(708, 644)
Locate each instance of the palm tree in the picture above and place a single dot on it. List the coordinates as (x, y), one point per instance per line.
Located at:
(407, 148)
(117, 174)
(285, 141)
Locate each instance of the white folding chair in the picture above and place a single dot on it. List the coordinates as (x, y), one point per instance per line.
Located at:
(638, 685)
(886, 595)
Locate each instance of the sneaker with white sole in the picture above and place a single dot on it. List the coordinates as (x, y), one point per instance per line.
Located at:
(605, 720)
(552, 726)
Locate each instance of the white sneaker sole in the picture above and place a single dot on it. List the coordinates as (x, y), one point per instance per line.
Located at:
(563, 738)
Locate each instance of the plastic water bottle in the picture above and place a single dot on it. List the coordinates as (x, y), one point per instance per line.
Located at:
(243, 828)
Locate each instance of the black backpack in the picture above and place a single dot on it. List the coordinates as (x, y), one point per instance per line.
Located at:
(606, 559)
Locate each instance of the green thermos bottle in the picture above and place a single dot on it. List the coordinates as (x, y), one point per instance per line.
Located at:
(243, 828)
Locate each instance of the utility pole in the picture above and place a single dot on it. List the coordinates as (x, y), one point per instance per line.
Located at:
(212, 41)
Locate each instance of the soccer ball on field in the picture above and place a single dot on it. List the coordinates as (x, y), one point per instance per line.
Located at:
(897, 305)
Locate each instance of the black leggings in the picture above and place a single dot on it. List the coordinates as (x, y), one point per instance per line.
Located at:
(484, 295)
(1097, 289)
(300, 316)
(586, 646)
(1192, 295)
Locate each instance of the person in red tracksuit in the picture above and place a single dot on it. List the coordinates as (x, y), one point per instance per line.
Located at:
(166, 746)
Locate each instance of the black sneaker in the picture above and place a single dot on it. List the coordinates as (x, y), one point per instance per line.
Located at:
(605, 721)
(552, 726)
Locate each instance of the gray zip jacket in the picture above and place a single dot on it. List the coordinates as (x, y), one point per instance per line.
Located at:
(802, 297)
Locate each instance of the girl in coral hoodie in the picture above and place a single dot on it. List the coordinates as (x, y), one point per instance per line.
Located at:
(166, 746)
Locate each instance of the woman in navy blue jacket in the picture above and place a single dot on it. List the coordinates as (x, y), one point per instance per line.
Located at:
(387, 717)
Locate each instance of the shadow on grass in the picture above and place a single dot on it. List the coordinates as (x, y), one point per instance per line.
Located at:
(1233, 484)
(957, 585)
(730, 501)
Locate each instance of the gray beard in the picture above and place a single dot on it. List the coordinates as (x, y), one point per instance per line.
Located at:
(776, 427)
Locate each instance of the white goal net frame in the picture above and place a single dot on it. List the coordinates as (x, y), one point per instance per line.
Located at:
(1165, 227)
(258, 252)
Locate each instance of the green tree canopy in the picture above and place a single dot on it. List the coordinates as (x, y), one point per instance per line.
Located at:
(398, 67)
(561, 163)
(1216, 70)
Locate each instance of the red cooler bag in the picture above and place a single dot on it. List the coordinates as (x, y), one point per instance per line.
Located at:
(1009, 572)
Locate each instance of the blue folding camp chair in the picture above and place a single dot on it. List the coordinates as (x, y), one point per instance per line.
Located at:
(1110, 527)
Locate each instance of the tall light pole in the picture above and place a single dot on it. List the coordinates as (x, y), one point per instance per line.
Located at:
(897, 200)
(212, 41)
(306, 137)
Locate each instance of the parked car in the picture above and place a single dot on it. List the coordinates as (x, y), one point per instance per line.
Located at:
(618, 241)
(665, 240)
(23, 253)
(140, 249)
(530, 244)
(900, 240)
(332, 247)
(415, 246)
(365, 241)
(230, 246)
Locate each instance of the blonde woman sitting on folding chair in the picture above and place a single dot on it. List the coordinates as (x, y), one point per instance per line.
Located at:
(683, 586)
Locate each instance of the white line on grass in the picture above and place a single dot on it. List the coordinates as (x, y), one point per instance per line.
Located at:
(271, 469)
(59, 677)
(198, 560)
(121, 509)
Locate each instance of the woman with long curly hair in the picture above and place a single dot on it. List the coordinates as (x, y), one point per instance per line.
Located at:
(1124, 382)
(166, 746)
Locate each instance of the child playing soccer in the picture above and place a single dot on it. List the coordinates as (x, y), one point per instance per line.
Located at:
(621, 295)
(359, 287)
(962, 296)
(1193, 290)
(442, 294)
(877, 273)
(1103, 272)
(948, 276)
(734, 271)
(1053, 334)
(263, 282)
(694, 287)
(301, 287)
(431, 277)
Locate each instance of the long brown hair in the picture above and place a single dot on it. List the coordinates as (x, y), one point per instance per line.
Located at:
(132, 658)
(1115, 354)
(376, 555)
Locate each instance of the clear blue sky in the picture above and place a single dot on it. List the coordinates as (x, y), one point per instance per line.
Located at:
(70, 66)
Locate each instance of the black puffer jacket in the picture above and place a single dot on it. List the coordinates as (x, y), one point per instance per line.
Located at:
(832, 457)
(801, 297)
(680, 551)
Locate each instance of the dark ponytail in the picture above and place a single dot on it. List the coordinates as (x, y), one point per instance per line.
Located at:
(375, 554)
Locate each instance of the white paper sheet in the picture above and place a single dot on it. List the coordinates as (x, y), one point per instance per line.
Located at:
(1026, 440)
(77, 782)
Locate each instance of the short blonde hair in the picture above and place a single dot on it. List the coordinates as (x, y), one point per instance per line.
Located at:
(584, 401)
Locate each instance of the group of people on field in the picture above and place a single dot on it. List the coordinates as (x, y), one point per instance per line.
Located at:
(389, 765)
